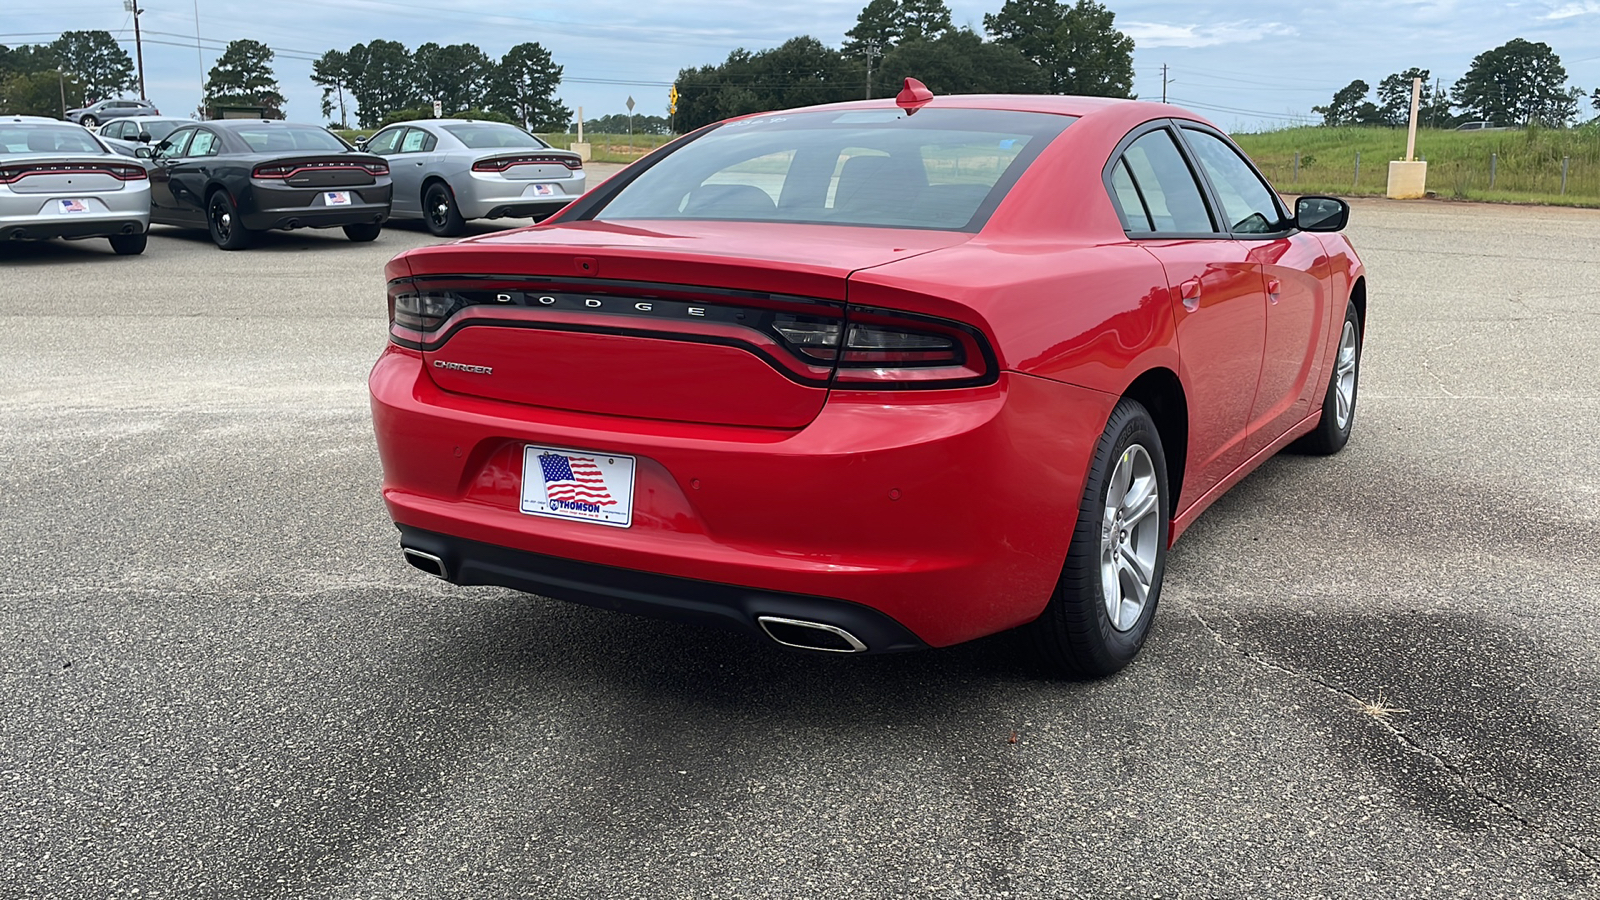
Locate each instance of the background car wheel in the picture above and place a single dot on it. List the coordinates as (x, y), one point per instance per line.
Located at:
(1339, 404)
(129, 244)
(88, 121)
(222, 217)
(363, 232)
(1103, 605)
(439, 211)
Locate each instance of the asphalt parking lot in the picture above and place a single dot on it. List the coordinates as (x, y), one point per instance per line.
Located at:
(1374, 675)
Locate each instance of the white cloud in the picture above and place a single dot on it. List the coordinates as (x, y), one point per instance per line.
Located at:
(1160, 34)
(1571, 10)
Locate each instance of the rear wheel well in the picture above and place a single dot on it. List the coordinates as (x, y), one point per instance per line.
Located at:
(1161, 393)
(429, 182)
(1358, 296)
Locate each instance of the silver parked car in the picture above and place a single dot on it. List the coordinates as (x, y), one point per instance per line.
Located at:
(106, 110)
(126, 136)
(59, 181)
(447, 171)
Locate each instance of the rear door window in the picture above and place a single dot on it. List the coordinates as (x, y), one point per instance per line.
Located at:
(204, 144)
(1171, 201)
(416, 141)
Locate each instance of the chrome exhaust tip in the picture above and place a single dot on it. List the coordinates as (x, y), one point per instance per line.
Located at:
(804, 635)
(427, 562)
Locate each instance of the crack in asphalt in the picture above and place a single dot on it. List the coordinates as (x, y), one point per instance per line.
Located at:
(1457, 773)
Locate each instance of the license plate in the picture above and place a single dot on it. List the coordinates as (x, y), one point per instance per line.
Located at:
(73, 206)
(573, 484)
(336, 198)
(544, 190)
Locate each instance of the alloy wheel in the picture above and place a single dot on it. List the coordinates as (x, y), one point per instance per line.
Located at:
(1344, 376)
(1130, 538)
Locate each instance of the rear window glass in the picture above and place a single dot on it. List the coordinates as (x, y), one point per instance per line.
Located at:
(492, 136)
(273, 138)
(160, 129)
(942, 169)
(18, 138)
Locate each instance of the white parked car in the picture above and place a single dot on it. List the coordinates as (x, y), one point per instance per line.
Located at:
(59, 181)
(447, 171)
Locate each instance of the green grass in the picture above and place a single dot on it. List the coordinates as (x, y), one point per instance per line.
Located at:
(1528, 167)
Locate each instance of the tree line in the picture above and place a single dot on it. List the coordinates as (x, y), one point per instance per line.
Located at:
(74, 70)
(1518, 83)
(1029, 47)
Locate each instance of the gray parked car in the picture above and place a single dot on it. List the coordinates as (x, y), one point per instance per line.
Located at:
(447, 171)
(106, 110)
(126, 136)
(57, 180)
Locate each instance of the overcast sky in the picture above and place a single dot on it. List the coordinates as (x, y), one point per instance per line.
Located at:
(1246, 65)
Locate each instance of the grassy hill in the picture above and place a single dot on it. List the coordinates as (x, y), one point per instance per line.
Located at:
(1527, 163)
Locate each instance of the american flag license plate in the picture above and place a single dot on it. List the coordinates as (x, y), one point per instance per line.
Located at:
(578, 484)
(336, 198)
(73, 206)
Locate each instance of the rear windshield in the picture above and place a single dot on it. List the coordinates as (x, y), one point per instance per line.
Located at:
(493, 136)
(19, 138)
(160, 128)
(273, 138)
(944, 169)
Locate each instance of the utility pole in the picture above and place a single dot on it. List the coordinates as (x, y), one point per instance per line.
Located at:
(61, 81)
(1164, 82)
(871, 47)
(138, 44)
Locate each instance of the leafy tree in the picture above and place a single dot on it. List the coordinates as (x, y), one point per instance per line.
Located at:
(331, 73)
(1518, 83)
(379, 76)
(878, 29)
(1345, 107)
(458, 76)
(102, 68)
(962, 62)
(243, 77)
(26, 59)
(801, 72)
(37, 93)
(1077, 45)
(524, 87)
(924, 19)
(618, 124)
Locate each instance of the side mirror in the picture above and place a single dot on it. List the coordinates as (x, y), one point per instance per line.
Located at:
(144, 137)
(1321, 214)
(143, 152)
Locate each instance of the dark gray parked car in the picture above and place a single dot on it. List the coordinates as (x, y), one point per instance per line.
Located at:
(106, 110)
(126, 136)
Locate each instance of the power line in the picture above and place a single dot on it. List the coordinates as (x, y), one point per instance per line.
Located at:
(1242, 112)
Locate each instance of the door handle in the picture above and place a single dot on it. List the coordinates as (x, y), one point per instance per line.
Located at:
(1274, 288)
(1190, 292)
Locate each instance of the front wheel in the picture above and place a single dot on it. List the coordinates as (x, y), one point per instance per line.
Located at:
(222, 217)
(363, 232)
(1339, 403)
(1102, 607)
(129, 244)
(88, 121)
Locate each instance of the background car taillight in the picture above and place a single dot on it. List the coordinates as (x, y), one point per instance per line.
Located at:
(286, 171)
(271, 171)
(129, 173)
(13, 174)
(376, 168)
(504, 163)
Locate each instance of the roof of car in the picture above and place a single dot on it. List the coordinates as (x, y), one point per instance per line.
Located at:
(453, 122)
(1054, 104)
(37, 120)
(256, 123)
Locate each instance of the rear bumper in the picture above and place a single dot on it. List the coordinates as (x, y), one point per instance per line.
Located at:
(949, 513)
(268, 208)
(647, 594)
(491, 196)
(58, 227)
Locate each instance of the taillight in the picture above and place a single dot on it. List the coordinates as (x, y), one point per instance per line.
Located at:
(271, 171)
(504, 163)
(887, 349)
(8, 176)
(420, 311)
(376, 168)
(13, 174)
(129, 173)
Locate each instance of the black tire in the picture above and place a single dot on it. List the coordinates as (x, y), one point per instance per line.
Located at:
(222, 218)
(88, 121)
(129, 244)
(363, 232)
(1076, 636)
(439, 211)
(1331, 434)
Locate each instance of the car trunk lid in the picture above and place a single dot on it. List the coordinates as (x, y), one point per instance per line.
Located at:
(701, 322)
(68, 175)
(322, 171)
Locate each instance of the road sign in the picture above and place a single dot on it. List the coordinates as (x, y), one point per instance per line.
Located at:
(438, 109)
(630, 102)
(672, 101)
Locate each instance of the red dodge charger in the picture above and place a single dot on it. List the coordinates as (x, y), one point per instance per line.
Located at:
(872, 376)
